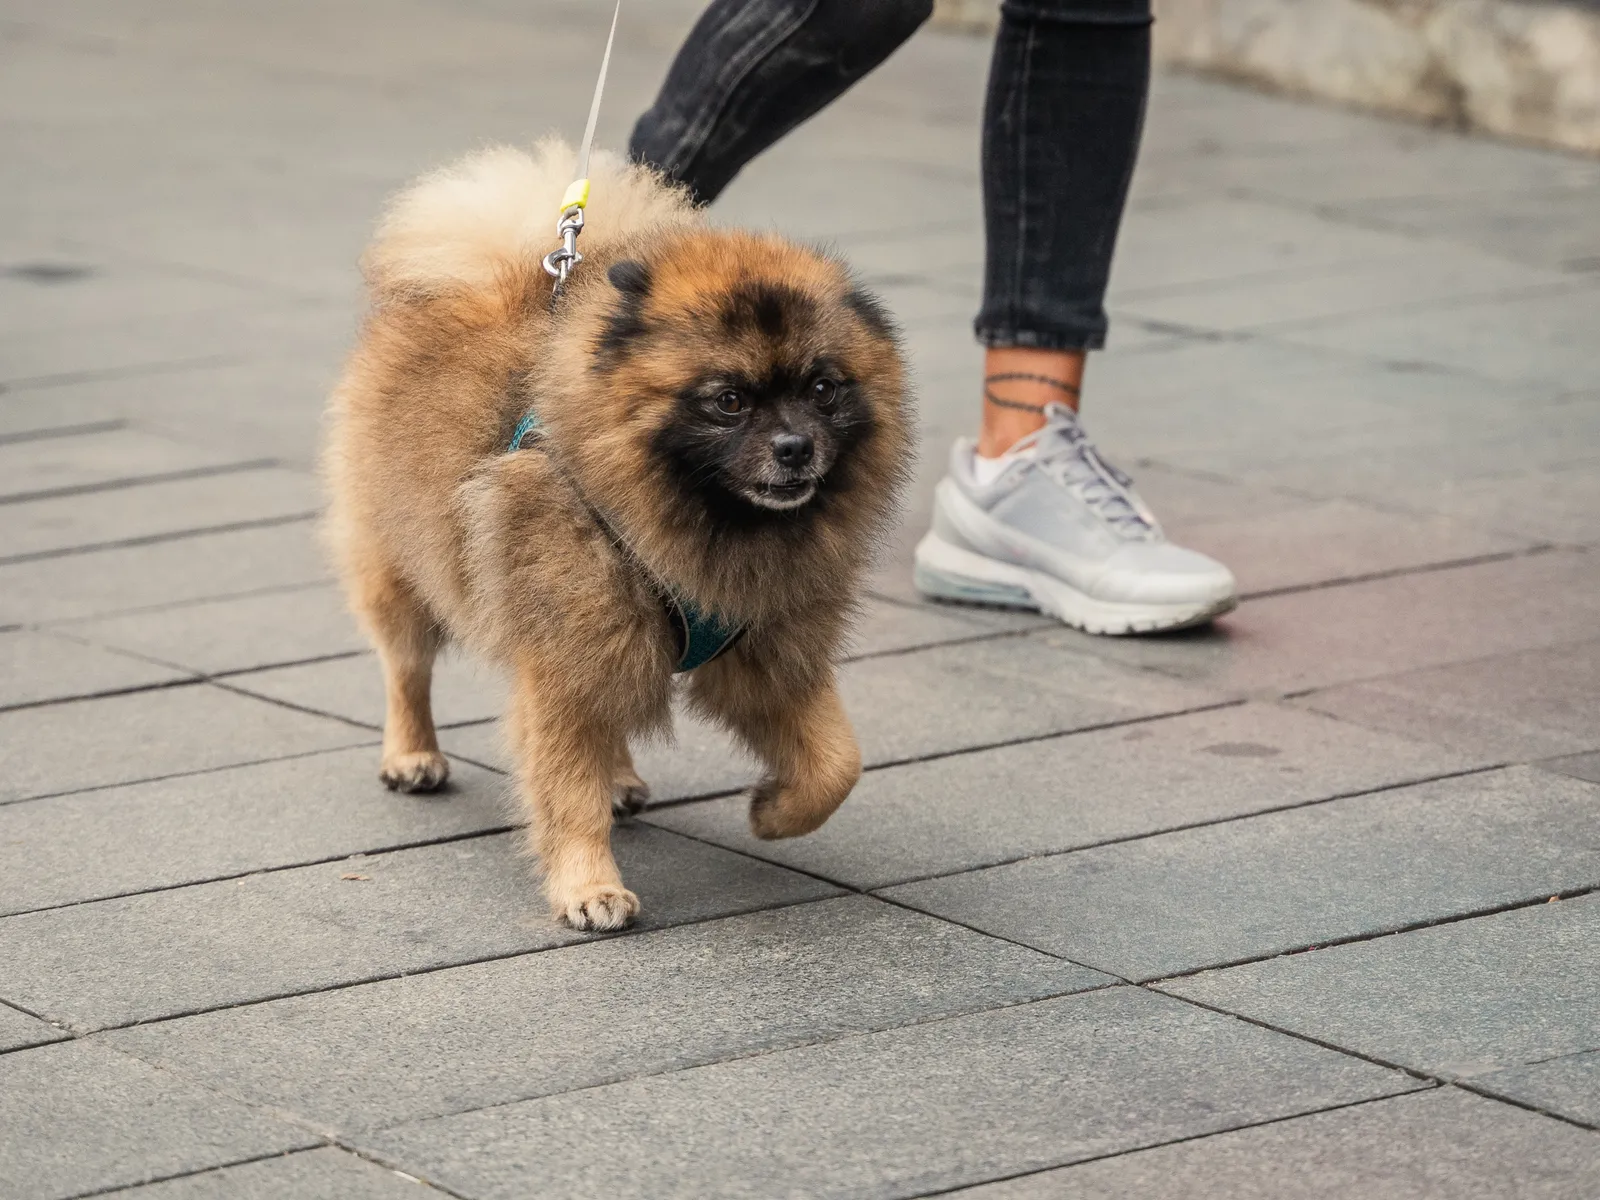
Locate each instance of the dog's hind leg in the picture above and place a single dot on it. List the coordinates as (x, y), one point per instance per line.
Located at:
(567, 768)
(630, 793)
(407, 640)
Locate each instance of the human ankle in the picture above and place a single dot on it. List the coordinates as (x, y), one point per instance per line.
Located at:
(1019, 381)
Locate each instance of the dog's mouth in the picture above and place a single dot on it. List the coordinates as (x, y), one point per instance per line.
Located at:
(780, 497)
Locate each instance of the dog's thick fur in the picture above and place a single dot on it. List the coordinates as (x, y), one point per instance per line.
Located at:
(442, 534)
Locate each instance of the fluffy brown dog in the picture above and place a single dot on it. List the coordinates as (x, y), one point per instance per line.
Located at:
(723, 429)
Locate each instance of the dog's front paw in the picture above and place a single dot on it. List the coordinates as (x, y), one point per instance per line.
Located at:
(775, 813)
(417, 771)
(597, 906)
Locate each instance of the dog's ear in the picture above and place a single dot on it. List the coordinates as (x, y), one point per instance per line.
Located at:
(630, 278)
(626, 324)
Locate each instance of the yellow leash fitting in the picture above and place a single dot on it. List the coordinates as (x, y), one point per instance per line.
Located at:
(577, 195)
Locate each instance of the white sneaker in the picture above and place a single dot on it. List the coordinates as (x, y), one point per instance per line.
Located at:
(1060, 530)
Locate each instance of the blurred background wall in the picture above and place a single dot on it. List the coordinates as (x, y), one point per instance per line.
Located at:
(1523, 70)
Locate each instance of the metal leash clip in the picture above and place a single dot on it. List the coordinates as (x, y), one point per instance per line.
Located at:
(560, 261)
(565, 256)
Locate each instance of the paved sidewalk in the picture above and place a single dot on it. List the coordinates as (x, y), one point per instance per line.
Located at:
(1303, 905)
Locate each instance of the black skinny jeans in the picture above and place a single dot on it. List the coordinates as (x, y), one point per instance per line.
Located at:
(1061, 129)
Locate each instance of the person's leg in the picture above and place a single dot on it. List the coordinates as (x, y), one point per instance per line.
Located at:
(752, 70)
(1062, 119)
(1031, 515)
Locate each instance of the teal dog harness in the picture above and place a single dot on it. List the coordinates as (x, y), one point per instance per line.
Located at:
(699, 637)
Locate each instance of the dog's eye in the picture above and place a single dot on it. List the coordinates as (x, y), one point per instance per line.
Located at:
(730, 402)
(823, 391)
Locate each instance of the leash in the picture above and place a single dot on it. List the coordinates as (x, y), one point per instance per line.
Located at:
(561, 260)
(698, 636)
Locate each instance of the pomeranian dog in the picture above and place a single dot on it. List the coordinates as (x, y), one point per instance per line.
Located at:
(679, 463)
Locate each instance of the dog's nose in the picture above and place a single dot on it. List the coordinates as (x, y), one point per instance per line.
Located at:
(792, 450)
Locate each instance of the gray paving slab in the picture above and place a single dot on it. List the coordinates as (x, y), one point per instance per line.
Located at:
(1551, 225)
(1286, 881)
(1579, 766)
(899, 1113)
(464, 689)
(1277, 398)
(42, 527)
(142, 577)
(1410, 464)
(18, 1030)
(150, 339)
(1188, 254)
(274, 398)
(238, 634)
(934, 253)
(170, 832)
(1458, 1000)
(81, 1118)
(97, 460)
(80, 744)
(308, 928)
(1357, 631)
(36, 667)
(1398, 280)
(588, 1015)
(888, 627)
(1014, 688)
(1282, 547)
(1554, 504)
(1536, 704)
(796, 199)
(1568, 1086)
(44, 409)
(1237, 264)
(323, 1174)
(1318, 422)
(1301, 152)
(1535, 335)
(92, 294)
(992, 806)
(1442, 1144)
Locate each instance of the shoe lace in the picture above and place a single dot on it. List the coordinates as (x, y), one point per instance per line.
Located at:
(1063, 451)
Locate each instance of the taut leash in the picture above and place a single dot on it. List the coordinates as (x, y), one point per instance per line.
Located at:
(563, 258)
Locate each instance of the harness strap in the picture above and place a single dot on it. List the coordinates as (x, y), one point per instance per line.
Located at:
(524, 427)
(698, 636)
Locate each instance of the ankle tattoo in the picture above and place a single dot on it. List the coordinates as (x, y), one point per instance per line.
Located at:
(1001, 402)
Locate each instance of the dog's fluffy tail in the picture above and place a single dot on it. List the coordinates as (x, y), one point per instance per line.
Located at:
(491, 217)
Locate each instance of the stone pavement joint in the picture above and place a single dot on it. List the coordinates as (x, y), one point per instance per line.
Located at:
(153, 539)
(62, 431)
(114, 485)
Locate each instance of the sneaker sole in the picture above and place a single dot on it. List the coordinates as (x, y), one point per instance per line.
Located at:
(946, 572)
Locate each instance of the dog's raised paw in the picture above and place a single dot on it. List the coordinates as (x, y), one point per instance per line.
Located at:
(601, 907)
(418, 771)
(771, 817)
